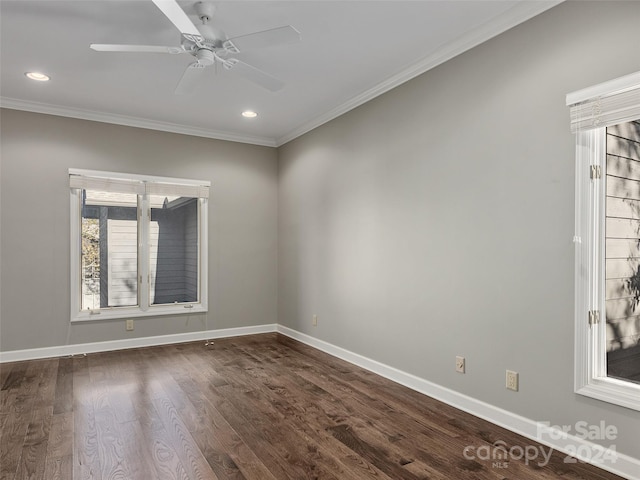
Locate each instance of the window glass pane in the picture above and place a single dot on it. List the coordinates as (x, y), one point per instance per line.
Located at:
(109, 264)
(173, 249)
(622, 251)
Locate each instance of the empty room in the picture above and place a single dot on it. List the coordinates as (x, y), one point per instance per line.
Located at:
(308, 239)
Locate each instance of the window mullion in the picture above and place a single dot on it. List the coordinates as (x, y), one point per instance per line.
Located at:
(598, 333)
(143, 251)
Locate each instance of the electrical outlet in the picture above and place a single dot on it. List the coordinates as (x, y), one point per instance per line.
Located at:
(314, 321)
(129, 325)
(512, 380)
(460, 363)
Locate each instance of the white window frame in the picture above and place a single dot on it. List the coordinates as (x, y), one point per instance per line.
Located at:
(591, 378)
(144, 308)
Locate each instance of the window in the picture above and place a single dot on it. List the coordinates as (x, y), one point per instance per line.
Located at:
(138, 245)
(606, 120)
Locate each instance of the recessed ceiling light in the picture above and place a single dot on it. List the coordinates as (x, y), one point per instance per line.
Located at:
(249, 114)
(40, 77)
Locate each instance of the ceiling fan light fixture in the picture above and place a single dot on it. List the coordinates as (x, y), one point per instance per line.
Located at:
(249, 114)
(37, 76)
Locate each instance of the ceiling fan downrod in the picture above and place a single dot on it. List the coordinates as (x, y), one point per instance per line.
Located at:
(205, 11)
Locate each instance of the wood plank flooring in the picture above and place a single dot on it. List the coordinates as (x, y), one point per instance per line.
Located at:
(262, 407)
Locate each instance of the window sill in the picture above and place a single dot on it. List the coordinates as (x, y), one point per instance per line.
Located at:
(118, 313)
(611, 390)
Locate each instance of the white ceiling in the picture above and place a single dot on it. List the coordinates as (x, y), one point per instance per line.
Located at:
(350, 52)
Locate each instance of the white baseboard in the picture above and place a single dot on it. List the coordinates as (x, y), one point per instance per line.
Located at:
(78, 349)
(589, 452)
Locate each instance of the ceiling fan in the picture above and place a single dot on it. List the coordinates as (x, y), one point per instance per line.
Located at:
(210, 46)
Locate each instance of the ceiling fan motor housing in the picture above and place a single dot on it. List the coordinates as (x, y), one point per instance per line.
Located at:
(205, 57)
(212, 39)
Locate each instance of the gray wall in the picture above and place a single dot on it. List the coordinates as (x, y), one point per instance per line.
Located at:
(37, 151)
(437, 220)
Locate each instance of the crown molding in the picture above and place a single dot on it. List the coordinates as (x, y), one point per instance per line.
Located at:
(128, 121)
(518, 14)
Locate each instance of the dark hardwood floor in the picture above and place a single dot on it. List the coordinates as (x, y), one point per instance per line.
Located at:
(262, 407)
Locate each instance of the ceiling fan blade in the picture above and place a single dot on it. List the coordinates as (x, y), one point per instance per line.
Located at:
(267, 38)
(176, 15)
(190, 78)
(253, 74)
(107, 47)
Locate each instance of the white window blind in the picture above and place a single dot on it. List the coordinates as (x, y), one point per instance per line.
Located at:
(177, 190)
(103, 184)
(607, 104)
(136, 184)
